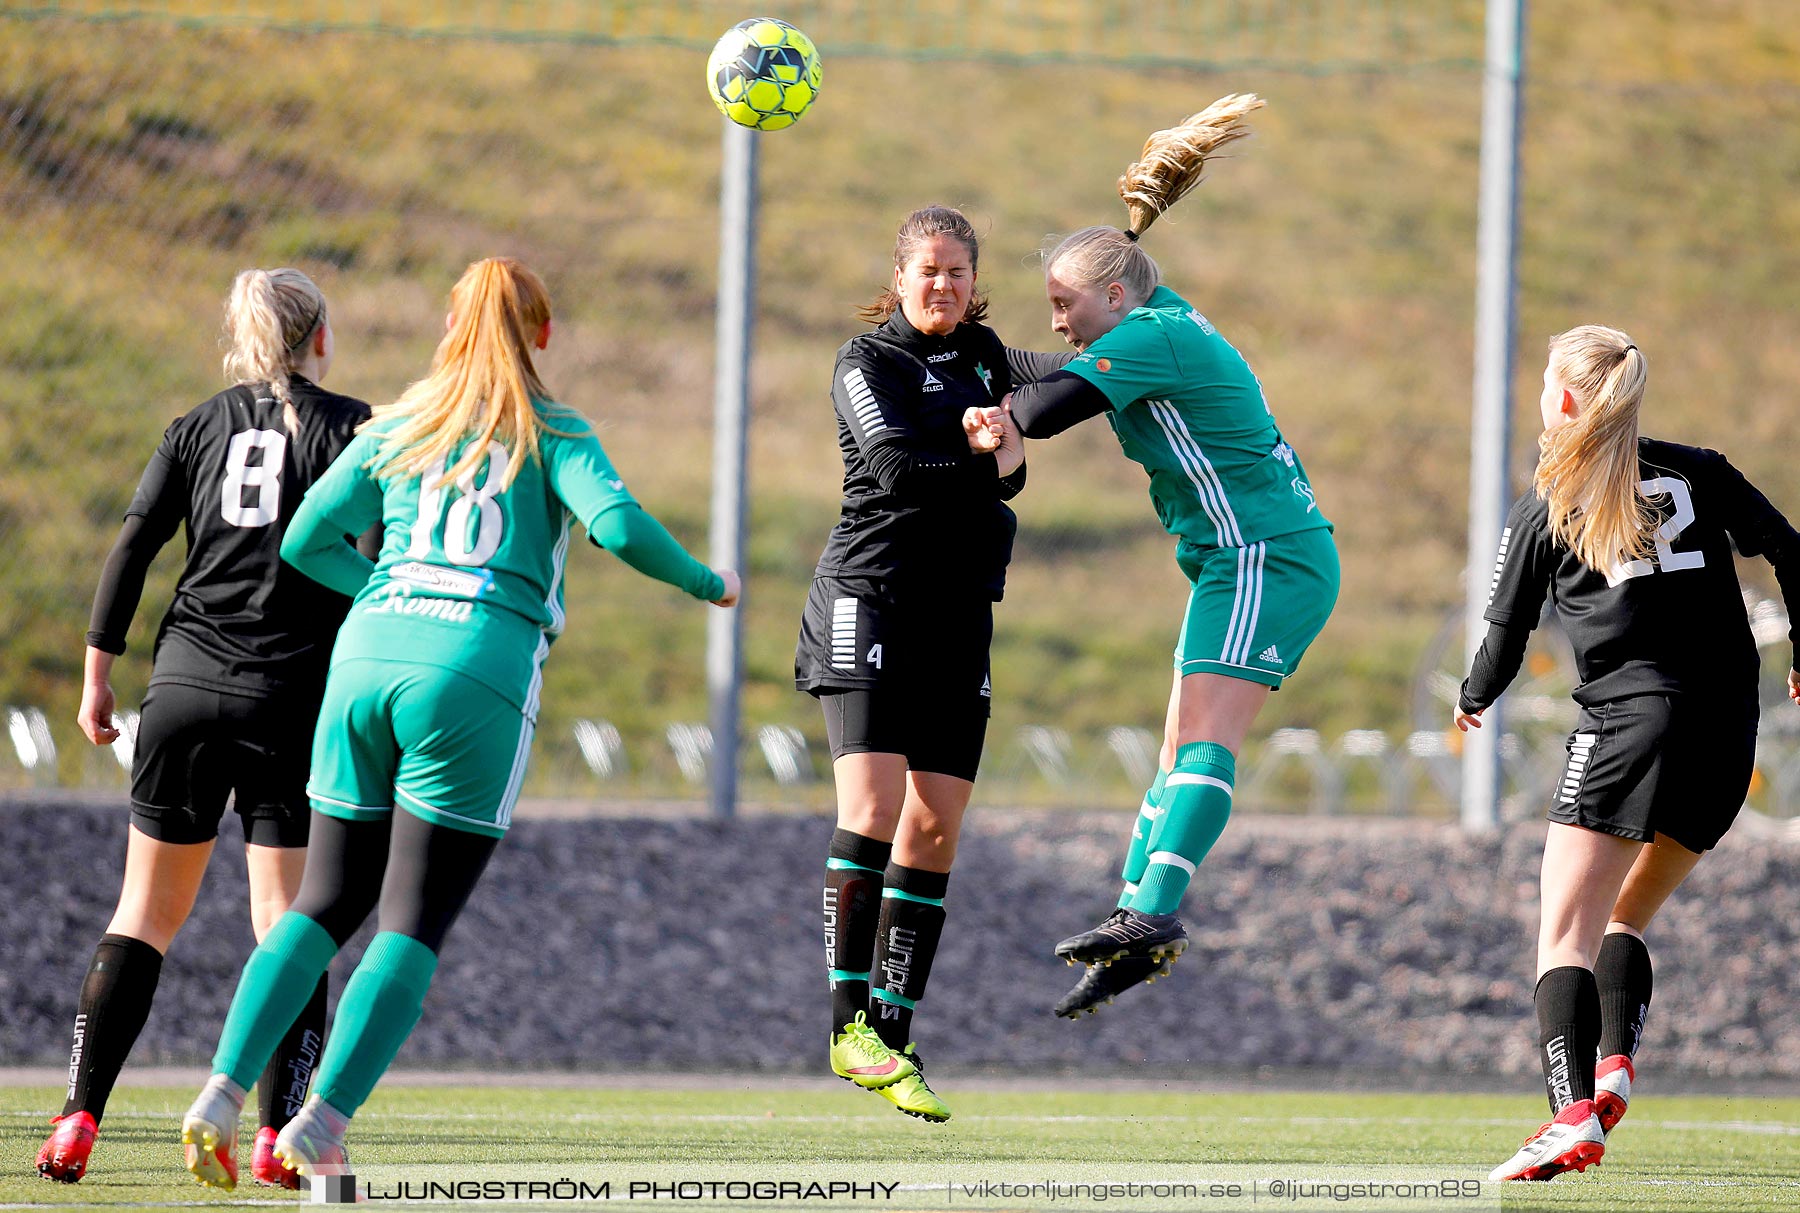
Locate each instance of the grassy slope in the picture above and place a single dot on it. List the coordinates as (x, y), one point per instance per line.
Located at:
(1335, 250)
(1714, 1153)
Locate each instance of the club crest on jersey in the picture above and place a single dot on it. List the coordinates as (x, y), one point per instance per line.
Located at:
(1304, 491)
(932, 382)
(987, 378)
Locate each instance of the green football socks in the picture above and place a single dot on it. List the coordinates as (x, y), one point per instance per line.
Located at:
(1195, 805)
(278, 981)
(380, 1005)
(1137, 857)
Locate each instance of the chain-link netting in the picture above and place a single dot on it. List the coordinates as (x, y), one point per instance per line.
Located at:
(150, 151)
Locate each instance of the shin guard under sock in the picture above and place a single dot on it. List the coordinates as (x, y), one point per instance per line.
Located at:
(853, 883)
(114, 1004)
(912, 922)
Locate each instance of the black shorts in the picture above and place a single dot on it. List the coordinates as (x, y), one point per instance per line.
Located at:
(1677, 764)
(899, 673)
(196, 747)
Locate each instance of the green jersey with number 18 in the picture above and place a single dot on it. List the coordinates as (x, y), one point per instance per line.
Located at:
(470, 574)
(1187, 407)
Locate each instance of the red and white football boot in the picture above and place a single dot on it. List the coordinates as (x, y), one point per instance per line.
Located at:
(1573, 1141)
(65, 1155)
(1612, 1090)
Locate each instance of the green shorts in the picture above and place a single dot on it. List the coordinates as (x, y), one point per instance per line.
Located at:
(435, 742)
(1253, 610)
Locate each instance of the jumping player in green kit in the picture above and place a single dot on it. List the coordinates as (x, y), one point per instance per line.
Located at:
(1251, 538)
(475, 475)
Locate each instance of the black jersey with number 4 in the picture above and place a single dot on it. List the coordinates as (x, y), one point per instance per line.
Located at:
(241, 620)
(1670, 622)
(919, 507)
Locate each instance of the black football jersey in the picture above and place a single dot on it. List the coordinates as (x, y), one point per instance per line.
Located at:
(241, 620)
(919, 508)
(1674, 620)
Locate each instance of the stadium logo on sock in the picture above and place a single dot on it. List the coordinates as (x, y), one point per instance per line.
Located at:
(1561, 1094)
(897, 967)
(76, 1051)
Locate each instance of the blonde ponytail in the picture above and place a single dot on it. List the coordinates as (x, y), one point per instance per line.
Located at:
(1174, 160)
(1588, 471)
(269, 317)
(1172, 163)
(482, 381)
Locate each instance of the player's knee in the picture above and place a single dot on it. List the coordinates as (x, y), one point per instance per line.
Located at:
(868, 816)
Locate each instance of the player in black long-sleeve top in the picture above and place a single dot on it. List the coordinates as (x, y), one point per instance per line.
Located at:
(894, 639)
(234, 689)
(1633, 540)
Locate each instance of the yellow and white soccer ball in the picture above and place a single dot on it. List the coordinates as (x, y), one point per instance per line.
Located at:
(763, 74)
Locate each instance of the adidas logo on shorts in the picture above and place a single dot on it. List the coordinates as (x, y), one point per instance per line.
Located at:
(1269, 654)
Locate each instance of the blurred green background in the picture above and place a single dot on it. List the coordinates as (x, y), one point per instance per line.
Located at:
(150, 151)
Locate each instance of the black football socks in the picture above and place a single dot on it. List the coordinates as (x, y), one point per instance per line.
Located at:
(115, 1002)
(853, 882)
(912, 921)
(1623, 976)
(281, 1090)
(1568, 1011)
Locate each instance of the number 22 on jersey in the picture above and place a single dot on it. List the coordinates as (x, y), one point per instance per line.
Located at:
(473, 504)
(1668, 560)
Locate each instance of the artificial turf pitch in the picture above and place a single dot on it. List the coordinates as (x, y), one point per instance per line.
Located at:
(1698, 1152)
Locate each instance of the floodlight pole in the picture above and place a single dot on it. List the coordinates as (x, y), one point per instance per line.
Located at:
(731, 408)
(1489, 441)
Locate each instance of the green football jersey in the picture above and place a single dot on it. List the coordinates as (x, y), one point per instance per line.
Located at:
(1187, 407)
(470, 575)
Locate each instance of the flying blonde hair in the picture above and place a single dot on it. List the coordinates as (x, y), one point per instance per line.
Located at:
(1588, 471)
(269, 317)
(482, 381)
(1172, 163)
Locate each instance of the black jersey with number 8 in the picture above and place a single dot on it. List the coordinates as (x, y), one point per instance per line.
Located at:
(241, 620)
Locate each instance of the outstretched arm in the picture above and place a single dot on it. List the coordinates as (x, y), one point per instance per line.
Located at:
(629, 532)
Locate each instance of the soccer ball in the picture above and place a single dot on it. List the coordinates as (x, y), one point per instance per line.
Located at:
(763, 74)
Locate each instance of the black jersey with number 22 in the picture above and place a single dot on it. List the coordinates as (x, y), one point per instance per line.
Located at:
(1648, 626)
